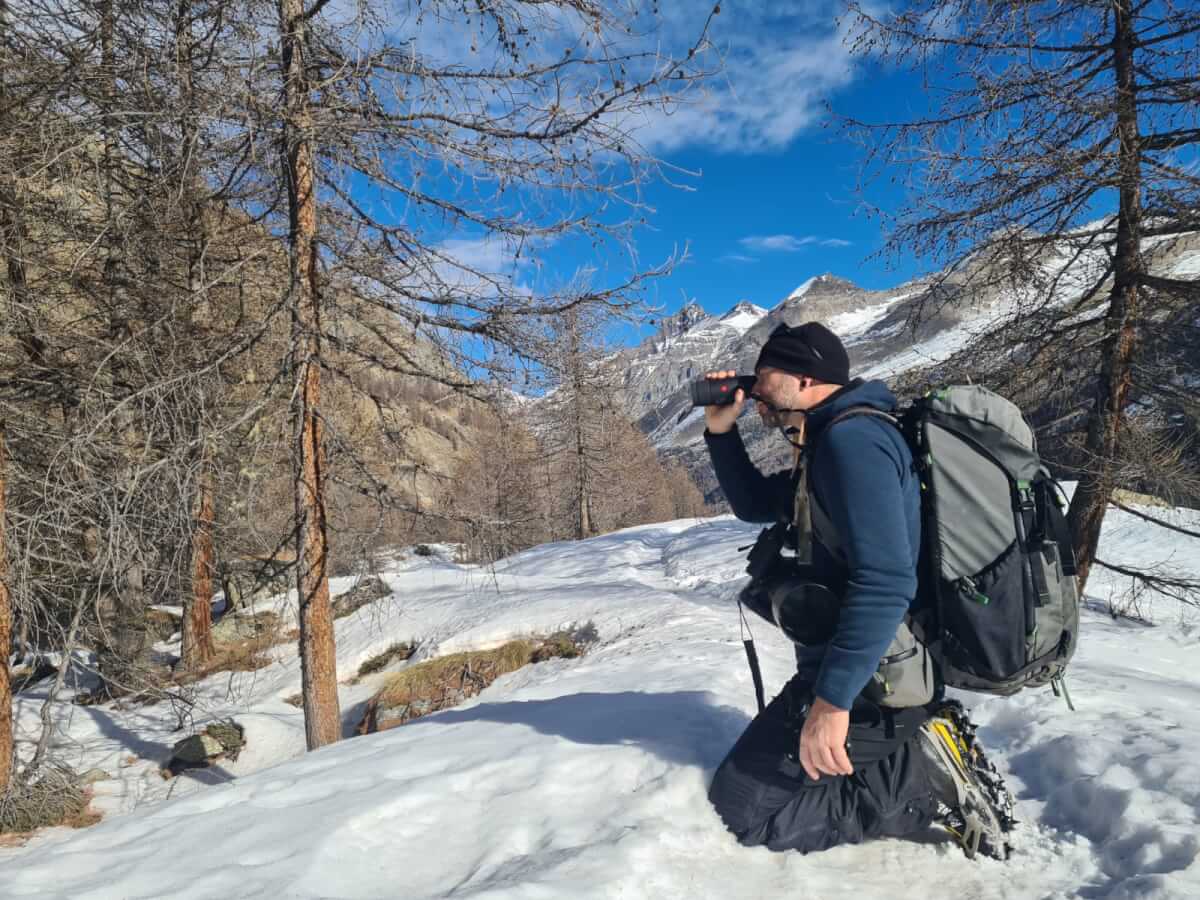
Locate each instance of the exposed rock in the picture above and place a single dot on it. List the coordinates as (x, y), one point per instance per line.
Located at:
(163, 623)
(365, 591)
(196, 750)
(25, 676)
(234, 627)
(447, 681)
(248, 579)
(219, 740)
(398, 652)
(230, 735)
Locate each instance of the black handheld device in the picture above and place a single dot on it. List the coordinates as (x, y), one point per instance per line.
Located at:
(720, 391)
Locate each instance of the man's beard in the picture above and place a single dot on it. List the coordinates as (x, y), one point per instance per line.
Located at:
(771, 417)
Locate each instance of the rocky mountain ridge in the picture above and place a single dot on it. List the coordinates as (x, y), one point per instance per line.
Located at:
(874, 325)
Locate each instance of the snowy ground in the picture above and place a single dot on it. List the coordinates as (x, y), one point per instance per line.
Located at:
(587, 778)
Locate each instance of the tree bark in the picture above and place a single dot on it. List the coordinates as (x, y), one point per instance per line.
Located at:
(583, 499)
(6, 697)
(122, 657)
(318, 662)
(197, 642)
(1090, 502)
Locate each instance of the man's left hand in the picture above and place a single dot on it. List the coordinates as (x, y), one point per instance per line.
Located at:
(823, 741)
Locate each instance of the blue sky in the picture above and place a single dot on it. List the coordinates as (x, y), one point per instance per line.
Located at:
(775, 201)
(773, 197)
(772, 201)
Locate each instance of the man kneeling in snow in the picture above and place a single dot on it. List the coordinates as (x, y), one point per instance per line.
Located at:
(826, 762)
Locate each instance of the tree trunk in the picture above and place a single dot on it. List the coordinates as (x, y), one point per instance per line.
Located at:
(583, 520)
(197, 642)
(1106, 420)
(318, 663)
(121, 658)
(6, 698)
(576, 375)
(10, 245)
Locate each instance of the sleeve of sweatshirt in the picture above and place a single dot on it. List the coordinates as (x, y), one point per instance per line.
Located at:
(753, 496)
(858, 476)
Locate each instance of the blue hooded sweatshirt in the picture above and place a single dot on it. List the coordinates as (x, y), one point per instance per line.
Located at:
(861, 475)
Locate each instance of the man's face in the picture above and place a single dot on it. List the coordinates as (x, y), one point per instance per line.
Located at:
(784, 390)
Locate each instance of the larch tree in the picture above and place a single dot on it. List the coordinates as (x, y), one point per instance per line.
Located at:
(432, 154)
(6, 633)
(1055, 165)
(318, 657)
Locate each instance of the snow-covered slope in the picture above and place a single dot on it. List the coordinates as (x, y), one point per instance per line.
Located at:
(587, 778)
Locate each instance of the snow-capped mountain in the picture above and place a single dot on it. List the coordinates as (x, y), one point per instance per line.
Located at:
(743, 316)
(656, 373)
(873, 325)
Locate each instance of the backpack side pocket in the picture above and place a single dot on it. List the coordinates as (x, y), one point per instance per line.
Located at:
(905, 674)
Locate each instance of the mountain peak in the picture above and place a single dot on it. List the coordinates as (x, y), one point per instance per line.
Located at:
(743, 316)
(822, 286)
(682, 321)
(803, 288)
(744, 307)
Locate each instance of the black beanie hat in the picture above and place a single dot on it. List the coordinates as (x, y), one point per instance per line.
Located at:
(809, 349)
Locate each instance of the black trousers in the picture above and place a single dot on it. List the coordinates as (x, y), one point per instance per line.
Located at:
(765, 798)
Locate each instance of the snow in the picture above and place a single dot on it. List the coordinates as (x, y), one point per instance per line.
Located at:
(743, 317)
(587, 778)
(1189, 265)
(935, 349)
(680, 430)
(1070, 270)
(803, 288)
(854, 324)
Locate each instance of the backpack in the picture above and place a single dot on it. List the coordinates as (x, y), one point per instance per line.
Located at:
(998, 605)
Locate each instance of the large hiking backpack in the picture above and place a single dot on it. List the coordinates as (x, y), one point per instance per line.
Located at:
(998, 605)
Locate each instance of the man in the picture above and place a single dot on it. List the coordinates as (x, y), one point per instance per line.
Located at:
(823, 764)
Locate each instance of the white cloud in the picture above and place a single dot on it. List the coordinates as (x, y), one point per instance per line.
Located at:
(776, 61)
(476, 267)
(737, 258)
(788, 243)
(781, 61)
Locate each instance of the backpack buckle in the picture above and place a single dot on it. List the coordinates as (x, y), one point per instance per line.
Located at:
(1025, 495)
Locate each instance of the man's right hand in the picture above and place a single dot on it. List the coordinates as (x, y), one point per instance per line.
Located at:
(720, 419)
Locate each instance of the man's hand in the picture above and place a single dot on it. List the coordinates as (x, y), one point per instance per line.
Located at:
(720, 419)
(823, 741)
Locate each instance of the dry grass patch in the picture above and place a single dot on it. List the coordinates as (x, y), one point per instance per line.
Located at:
(1133, 498)
(247, 655)
(241, 646)
(398, 652)
(57, 798)
(444, 682)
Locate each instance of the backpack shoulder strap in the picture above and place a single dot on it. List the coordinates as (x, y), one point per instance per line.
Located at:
(862, 411)
(822, 525)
